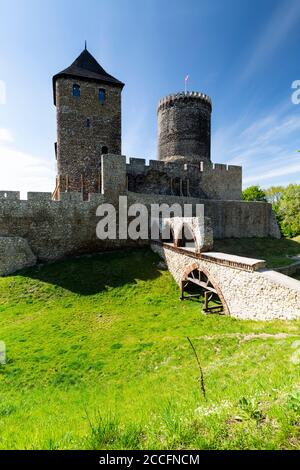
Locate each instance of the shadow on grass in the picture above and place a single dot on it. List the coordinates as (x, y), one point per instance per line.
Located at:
(89, 275)
(277, 253)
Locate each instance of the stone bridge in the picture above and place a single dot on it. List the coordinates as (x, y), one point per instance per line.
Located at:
(237, 286)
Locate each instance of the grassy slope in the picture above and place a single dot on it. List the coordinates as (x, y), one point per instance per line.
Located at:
(273, 251)
(103, 339)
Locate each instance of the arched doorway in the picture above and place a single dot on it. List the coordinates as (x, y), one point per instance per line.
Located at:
(197, 284)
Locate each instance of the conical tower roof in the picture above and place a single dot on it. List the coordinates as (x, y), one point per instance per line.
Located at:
(86, 67)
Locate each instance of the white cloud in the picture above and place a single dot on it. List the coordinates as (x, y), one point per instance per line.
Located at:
(266, 148)
(6, 135)
(23, 172)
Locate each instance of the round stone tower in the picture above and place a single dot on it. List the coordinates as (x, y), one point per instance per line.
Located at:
(184, 129)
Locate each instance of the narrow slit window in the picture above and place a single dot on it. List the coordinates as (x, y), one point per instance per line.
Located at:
(88, 123)
(76, 90)
(102, 95)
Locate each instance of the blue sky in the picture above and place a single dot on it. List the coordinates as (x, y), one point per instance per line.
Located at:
(244, 54)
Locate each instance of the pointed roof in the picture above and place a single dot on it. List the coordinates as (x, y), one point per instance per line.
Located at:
(87, 68)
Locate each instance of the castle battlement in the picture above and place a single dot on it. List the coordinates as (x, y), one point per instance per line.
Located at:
(140, 165)
(9, 198)
(184, 97)
(195, 179)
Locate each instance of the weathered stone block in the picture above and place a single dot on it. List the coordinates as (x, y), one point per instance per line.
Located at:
(15, 254)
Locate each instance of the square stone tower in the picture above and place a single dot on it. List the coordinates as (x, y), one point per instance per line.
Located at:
(88, 108)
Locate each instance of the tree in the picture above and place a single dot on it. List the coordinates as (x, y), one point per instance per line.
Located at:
(288, 211)
(274, 194)
(254, 193)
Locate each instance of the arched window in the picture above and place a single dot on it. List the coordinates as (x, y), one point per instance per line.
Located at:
(76, 90)
(88, 123)
(102, 95)
(104, 150)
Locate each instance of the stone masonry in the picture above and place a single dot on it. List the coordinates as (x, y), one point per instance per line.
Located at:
(184, 129)
(56, 229)
(88, 110)
(246, 289)
(15, 254)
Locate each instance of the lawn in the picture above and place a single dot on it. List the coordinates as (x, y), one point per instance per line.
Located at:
(98, 358)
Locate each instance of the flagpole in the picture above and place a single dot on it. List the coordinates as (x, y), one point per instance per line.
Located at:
(185, 82)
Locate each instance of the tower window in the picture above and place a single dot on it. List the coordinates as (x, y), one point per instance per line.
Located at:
(76, 90)
(88, 123)
(102, 95)
(104, 150)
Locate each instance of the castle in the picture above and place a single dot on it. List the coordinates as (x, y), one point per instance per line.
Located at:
(91, 170)
(88, 104)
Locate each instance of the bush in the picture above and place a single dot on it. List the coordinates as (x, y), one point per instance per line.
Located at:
(288, 211)
(254, 193)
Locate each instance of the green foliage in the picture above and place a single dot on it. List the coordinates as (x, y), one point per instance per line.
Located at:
(294, 402)
(274, 195)
(285, 202)
(91, 365)
(288, 211)
(251, 409)
(254, 193)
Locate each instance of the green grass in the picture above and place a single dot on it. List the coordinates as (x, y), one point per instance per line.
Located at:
(275, 252)
(97, 358)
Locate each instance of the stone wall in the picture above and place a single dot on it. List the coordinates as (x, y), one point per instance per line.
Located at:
(202, 180)
(55, 229)
(15, 254)
(245, 293)
(84, 128)
(230, 219)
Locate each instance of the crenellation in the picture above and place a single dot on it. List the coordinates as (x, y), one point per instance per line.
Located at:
(39, 197)
(188, 95)
(137, 162)
(156, 165)
(234, 168)
(96, 198)
(10, 195)
(220, 167)
(76, 197)
(197, 179)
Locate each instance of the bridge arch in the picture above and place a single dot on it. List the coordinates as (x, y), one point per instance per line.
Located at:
(202, 279)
